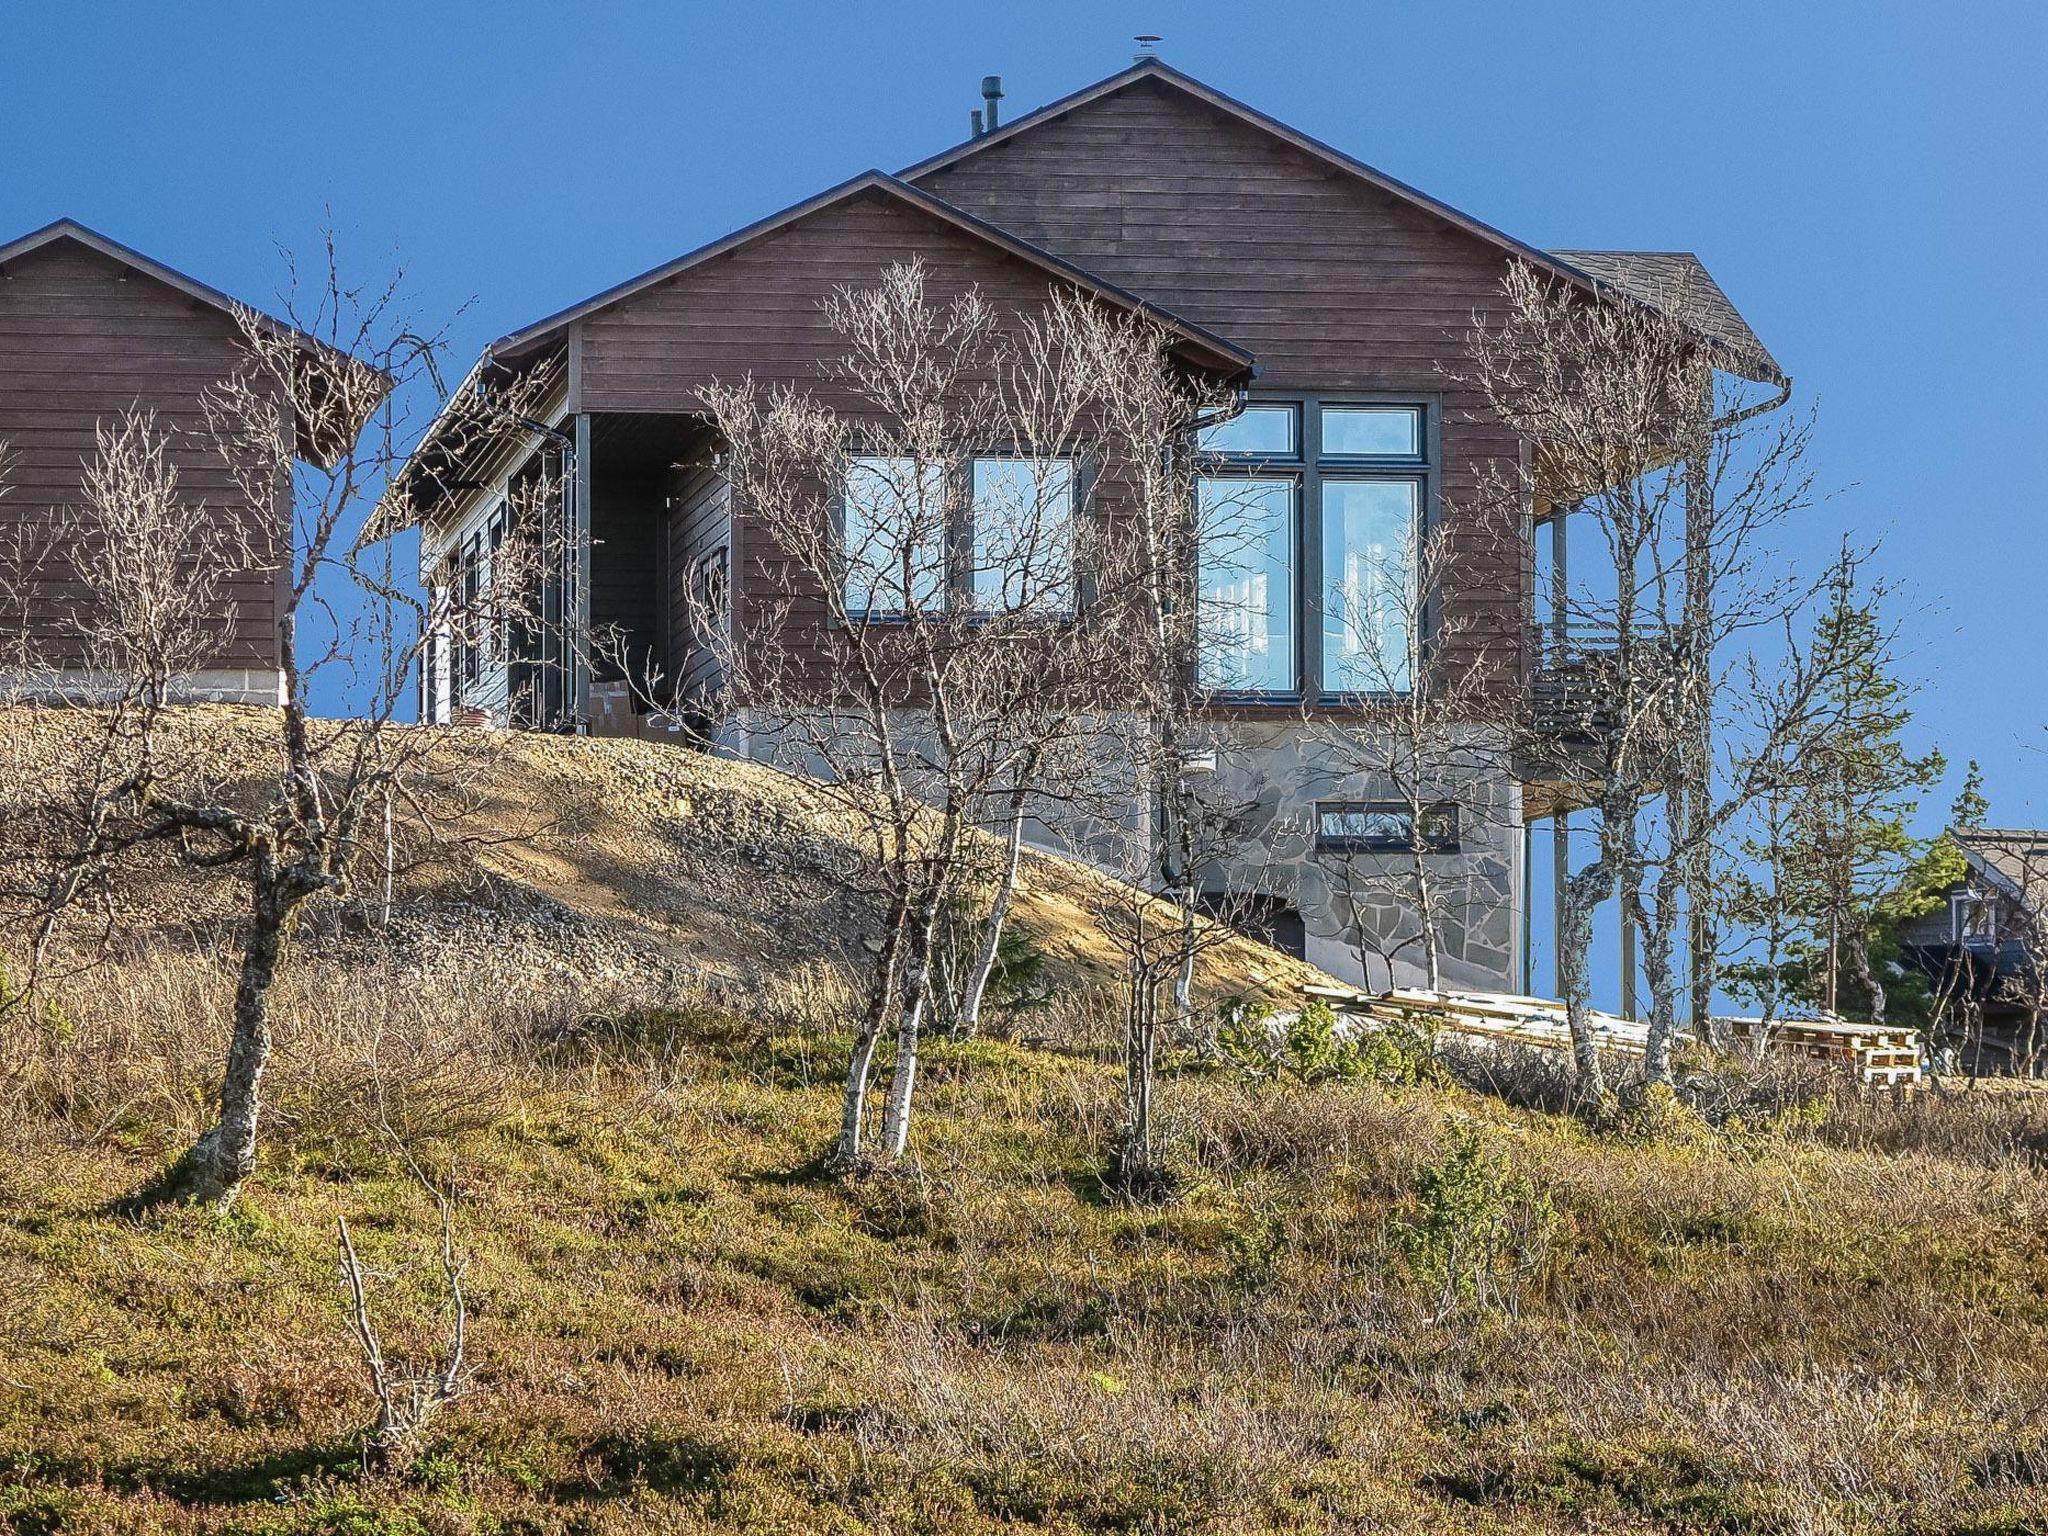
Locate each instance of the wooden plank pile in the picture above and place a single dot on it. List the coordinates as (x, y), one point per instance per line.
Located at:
(1877, 1055)
(1880, 1056)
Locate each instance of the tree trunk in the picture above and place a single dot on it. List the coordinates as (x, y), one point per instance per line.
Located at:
(992, 928)
(213, 1171)
(1583, 892)
(1859, 961)
(854, 1104)
(1184, 976)
(910, 1023)
(1426, 906)
(1663, 978)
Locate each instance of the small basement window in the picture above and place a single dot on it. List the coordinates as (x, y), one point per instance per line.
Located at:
(1378, 826)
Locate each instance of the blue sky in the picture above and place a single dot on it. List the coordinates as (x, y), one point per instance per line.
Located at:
(1865, 178)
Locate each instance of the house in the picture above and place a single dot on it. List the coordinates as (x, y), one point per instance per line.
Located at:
(90, 329)
(1331, 293)
(1984, 947)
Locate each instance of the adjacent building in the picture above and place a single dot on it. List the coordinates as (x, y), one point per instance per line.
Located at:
(90, 330)
(1984, 948)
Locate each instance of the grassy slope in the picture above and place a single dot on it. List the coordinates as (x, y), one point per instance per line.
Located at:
(680, 1326)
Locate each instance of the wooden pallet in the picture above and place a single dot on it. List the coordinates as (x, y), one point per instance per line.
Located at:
(1884, 1057)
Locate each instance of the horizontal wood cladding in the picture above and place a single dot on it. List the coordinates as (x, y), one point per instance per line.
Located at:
(758, 309)
(83, 338)
(1331, 283)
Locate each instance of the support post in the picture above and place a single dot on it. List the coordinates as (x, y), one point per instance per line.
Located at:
(1560, 873)
(1702, 943)
(1628, 966)
(579, 617)
(1528, 906)
(1560, 821)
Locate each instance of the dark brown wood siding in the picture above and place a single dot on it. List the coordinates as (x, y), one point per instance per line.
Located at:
(699, 534)
(1332, 284)
(83, 339)
(758, 310)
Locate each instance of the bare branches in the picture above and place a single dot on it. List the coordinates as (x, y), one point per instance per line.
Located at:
(408, 1397)
(1637, 438)
(308, 434)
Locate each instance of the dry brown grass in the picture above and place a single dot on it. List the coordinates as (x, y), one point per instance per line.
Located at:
(1814, 1322)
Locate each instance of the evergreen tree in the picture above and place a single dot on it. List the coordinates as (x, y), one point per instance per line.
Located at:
(1848, 830)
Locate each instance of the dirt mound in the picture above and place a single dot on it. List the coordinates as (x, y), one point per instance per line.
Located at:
(610, 859)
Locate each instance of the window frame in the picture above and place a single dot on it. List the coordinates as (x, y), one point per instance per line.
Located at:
(1248, 470)
(868, 613)
(956, 594)
(1309, 466)
(967, 537)
(1433, 844)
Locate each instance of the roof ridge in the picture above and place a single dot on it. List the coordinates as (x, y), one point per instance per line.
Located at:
(872, 180)
(1201, 90)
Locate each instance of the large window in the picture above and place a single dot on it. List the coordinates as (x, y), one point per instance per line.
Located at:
(1384, 826)
(906, 547)
(893, 533)
(1248, 589)
(1023, 556)
(1369, 531)
(1335, 612)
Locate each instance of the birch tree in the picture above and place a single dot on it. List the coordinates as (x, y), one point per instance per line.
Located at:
(308, 430)
(916, 643)
(1637, 431)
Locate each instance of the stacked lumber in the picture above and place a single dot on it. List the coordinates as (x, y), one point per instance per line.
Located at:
(1503, 1016)
(1876, 1055)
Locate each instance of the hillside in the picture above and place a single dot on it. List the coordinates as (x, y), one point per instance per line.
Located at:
(604, 860)
(1388, 1304)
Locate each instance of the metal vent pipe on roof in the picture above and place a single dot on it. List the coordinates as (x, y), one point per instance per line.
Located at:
(992, 92)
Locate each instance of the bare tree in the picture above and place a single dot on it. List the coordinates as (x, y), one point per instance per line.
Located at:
(1636, 428)
(921, 650)
(1422, 738)
(407, 1398)
(308, 431)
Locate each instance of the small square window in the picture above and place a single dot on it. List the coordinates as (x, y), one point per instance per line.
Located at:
(1372, 432)
(1259, 431)
(1384, 827)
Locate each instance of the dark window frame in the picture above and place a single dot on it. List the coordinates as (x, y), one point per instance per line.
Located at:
(1309, 465)
(957, 593)
(1442, 842)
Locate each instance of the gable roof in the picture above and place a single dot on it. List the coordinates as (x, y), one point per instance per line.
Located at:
(1678, 283)
(72, 232)
(2015, 859)
(1603, 273)
(78, 234)
(1215, 350)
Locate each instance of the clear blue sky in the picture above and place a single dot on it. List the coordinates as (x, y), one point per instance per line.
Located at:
(1865, 177)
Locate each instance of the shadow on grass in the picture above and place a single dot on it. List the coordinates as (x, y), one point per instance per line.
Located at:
(252, 1481)
(617, 1465)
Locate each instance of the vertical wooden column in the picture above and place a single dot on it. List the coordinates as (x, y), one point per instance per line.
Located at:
(578, 617)
(1560, 821)
(1528, 905)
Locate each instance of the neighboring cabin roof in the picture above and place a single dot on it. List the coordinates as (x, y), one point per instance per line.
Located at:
(72, 232)
(1638, 275)
(1678, 283)
(1217, 351)
(2015, 859)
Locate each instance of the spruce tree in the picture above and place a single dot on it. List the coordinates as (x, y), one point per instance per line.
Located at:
(1849, 829)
